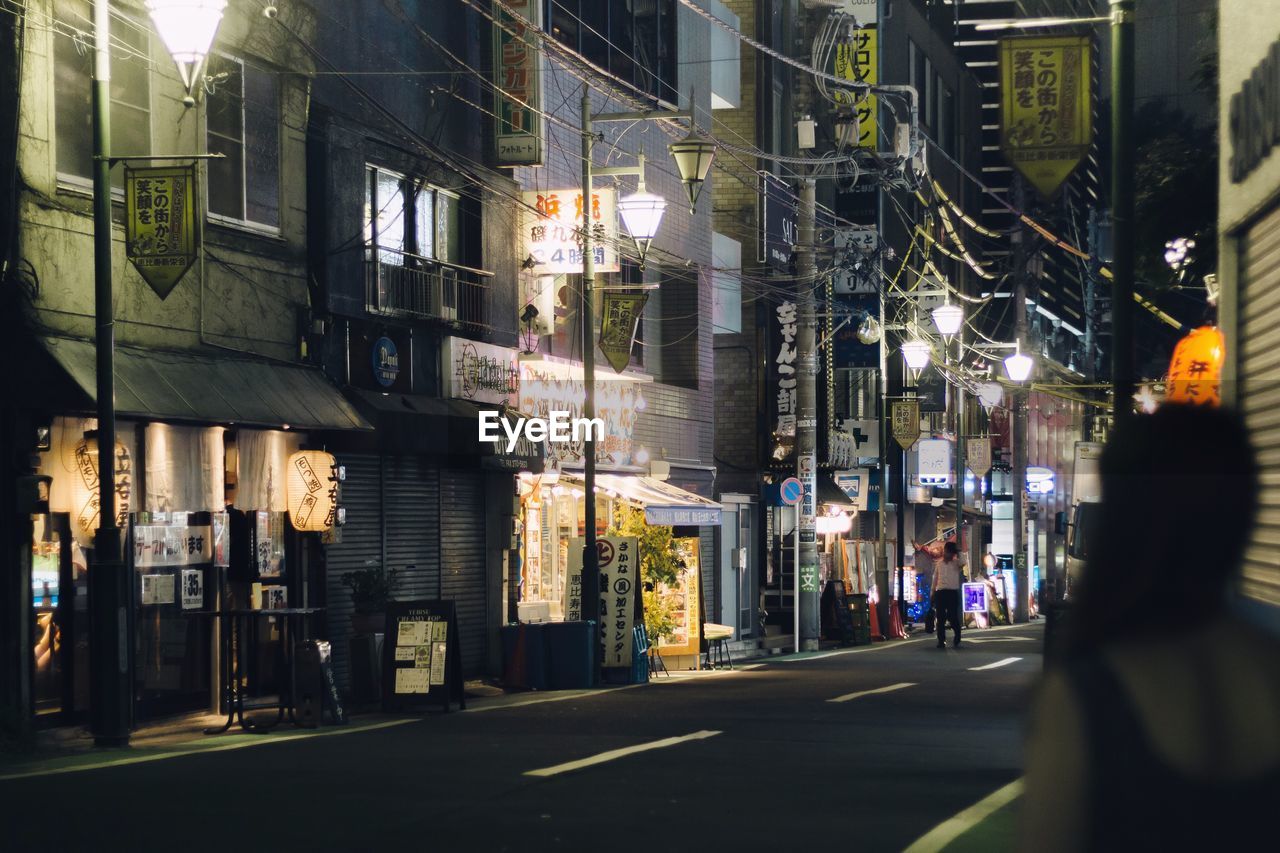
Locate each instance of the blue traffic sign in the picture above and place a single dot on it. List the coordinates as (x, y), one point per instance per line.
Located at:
(791, 491)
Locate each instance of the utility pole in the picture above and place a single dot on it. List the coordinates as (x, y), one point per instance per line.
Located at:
(1018, 430)
(1090, 367)
(807, 415)
(590, 556)
(110, 690)
(1122, 209)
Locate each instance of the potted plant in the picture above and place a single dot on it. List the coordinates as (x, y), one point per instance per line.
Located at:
(371, 588)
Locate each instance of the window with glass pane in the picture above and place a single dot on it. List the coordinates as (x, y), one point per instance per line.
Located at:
(424, 222)
(130, 90)
(243, 119)
(448, 244)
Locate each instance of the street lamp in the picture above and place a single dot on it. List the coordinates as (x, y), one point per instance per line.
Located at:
(187, 28)
(693, 156)
(948, 317)
(916, 354)
(641, 213)
(1018, 366)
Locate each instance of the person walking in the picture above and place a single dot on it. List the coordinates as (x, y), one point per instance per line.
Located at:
(945, 592)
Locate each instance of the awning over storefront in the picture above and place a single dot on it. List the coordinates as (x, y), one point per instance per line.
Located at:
(663, 503)
(166, 385)
(831, 494)
(416, 423)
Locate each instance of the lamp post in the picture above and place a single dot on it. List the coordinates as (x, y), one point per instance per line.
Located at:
(693, 157)
(187, 28)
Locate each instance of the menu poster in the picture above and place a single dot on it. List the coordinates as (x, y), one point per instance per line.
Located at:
(192, 589)
(157, 589)
(421, 661)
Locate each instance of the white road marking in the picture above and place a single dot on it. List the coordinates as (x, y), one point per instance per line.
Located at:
(949, 830)
(878, 646)
(997, 639)
(892, 687)
(583, 694)
(999, 663)
(613, 754)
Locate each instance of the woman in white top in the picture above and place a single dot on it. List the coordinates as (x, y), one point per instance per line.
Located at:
(948, 573)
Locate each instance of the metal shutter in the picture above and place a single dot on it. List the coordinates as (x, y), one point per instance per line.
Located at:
(361, 542)
(412, 501)
(462, 532)
(1259, 336)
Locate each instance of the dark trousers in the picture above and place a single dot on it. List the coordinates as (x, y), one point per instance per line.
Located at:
(946, 603)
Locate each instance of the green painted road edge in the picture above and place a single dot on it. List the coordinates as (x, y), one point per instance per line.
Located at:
(953, 828)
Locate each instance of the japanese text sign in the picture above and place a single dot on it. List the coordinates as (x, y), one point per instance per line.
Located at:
(1196, 368)
(856, 60)
(905, 419)
(518, 79)
(975, 597)
(552, 224)
(171, 545)
(619, 558)
(978, 456)
(618, 327)
(1046, 118)
(160, 233)
(784, 396)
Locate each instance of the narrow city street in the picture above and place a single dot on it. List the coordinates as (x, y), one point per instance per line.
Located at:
(866, 748)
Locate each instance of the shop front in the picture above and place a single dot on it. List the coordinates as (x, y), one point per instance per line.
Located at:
(201, 468)
(634, 498)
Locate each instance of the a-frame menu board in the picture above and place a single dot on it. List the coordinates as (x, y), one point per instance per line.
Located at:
(421, 658)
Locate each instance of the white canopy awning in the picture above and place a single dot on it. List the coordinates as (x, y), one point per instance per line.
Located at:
(663, 503)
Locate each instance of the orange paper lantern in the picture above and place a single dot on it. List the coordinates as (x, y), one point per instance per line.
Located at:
(1196, 369)
(312, 490)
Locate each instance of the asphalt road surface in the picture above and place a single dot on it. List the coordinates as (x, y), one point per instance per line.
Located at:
(863, 749)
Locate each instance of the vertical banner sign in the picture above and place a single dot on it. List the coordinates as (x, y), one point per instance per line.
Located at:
(518, 75)
(550, 225)
(619, 577)
(806, 471)
(978, 456)
(160, 233)
(784, 361)
(856, 60)
(618, 327)
(780, 222)
(1046, 118)
(905, 418)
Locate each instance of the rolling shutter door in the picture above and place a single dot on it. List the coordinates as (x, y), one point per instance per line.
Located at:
(413, 525)
(462, 554)
(1259, 371)
(361, 541)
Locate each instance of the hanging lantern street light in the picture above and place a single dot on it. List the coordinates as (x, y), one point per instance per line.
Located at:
(869, 331)
(1018, 366)
(693, 156)
(187, 28)
(641, 213)
(948, 318)
(916, 354)
(990, 394)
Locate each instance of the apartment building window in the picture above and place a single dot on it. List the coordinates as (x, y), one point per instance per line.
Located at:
(243, 115)
(130, 111)
(406, 217)
(634, 39)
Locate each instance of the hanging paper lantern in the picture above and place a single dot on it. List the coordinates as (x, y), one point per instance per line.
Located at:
(313, 490)
(85, 495)
(1196, 368)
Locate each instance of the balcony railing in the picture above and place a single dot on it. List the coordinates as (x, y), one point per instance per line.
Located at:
(403, 285)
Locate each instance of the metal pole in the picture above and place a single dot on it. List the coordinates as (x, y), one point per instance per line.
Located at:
(795, 580)
(807, 602)
(960, 466)
(1122, 209)
(110, 697)
(1018, 432)
(590, 557)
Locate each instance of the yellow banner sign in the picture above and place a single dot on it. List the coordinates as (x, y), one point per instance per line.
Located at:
(856, 60)
(618, 327)
(160, 232)
(1046, 120)
(904, 415)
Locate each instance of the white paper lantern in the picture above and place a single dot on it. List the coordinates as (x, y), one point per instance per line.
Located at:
(312, 491)
(85, 495)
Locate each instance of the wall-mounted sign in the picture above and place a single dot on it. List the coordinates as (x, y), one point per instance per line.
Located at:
(171, 545)
(551, 234)
(784, 373)
(385, 362)
(1046, 112)
(618, 324)
(934, 460)
(517, 76)
(904, 417)
(483, 373)
(856, 60)
(312, 490)
(977, 453)
(856, 483)
(780, 218)
(855, 272)
(160, 232)
(545, 391)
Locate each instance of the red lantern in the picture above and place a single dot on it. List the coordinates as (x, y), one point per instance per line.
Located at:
(1196, 369)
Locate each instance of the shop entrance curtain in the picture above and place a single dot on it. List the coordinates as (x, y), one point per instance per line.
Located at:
(262, 455)
(185, 469)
